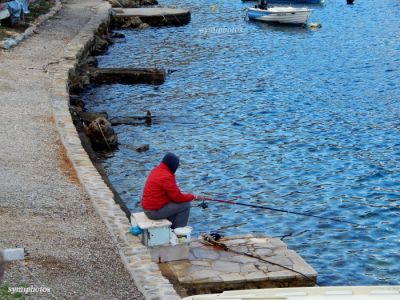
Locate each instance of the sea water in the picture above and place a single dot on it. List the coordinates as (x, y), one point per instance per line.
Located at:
(291, 118)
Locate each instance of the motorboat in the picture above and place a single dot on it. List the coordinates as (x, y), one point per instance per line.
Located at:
(280, 14)
(4, 13)
(309, 293)
(292, 1)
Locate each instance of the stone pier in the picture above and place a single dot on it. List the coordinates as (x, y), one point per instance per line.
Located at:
(154, 16)
(210, 269)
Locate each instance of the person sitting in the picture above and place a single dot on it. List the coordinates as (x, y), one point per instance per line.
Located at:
(263, 4)
(162, 198)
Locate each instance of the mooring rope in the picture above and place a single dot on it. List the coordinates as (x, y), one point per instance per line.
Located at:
(104, 137)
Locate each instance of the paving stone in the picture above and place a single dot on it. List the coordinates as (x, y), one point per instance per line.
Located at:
(247, 268)
(200, 263)
(280, 275)
(200, 253)
(224, 266)
(244, 259)
(210, 275)
(263, 252)
(232, 278)
(281, 260)
(255, 276)
(205, 270)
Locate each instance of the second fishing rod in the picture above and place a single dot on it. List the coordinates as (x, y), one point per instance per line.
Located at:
(233, 202)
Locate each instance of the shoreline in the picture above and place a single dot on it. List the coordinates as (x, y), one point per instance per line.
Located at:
(135, 257)
(39, 215)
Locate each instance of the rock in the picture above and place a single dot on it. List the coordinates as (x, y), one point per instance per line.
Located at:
(148, 118)
(100, 45)
(75, 83)
(85, 80)
(76, 101)
(75, 111)
(91, 61)
(101, 134)
(89, 117)
(143, 148)
(144, 26)
(117, 35)
(133, 22)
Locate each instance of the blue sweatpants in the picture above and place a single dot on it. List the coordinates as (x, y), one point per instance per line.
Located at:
(177, 213)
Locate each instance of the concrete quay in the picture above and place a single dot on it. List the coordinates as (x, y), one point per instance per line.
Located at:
(153, 16)
(268, 264)
(53, 202)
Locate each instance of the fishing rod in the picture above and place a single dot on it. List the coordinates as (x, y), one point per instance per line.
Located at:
(276, 209)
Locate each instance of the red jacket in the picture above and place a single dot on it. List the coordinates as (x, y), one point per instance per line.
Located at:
(161, 188)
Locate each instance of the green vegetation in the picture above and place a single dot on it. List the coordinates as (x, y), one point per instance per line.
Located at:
(38, 8)
(6, 295)
(3, 32)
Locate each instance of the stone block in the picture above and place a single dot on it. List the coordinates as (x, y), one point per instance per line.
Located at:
(225, 266)
(162, 254)
(255, 276)
(232, 278)
(210, 275)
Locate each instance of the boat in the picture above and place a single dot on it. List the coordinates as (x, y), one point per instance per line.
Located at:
(297, 1)
(4, 13)
(280, 14)
(291, 1)
(309, 293)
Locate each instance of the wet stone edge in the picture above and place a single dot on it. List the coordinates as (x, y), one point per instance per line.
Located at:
(134, 255)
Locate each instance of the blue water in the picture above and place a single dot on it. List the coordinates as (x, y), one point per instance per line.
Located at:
(286, 117)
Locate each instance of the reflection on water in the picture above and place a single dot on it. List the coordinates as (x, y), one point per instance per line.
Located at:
(286, 117)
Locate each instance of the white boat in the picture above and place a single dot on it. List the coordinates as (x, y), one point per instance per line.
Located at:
(309, 293)
(280, 14)
(4, 13)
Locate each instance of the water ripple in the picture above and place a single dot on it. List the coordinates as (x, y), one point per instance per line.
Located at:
(278, 116)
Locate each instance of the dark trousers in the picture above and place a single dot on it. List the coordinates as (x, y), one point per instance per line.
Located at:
(177, 213)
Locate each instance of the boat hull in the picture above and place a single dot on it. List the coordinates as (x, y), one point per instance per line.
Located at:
(291, 1)
(292, 16)
(297, 1)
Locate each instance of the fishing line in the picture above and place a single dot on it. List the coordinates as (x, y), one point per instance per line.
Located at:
(280, 210)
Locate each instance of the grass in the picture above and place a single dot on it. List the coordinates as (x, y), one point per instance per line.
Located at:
(38, 8)
(3, 32)
(6, 295)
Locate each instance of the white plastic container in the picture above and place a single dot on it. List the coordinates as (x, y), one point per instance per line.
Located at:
(183, 234)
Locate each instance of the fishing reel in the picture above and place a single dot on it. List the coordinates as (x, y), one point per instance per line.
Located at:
(203, 205)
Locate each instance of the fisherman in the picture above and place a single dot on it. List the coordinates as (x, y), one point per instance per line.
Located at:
(263, 4)
(162, 198)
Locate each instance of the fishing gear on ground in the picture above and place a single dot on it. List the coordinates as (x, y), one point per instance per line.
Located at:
(210, 240)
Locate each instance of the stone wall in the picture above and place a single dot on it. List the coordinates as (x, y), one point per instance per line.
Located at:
(134, 255)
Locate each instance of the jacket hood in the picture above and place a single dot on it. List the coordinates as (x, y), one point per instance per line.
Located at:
(172, 162)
